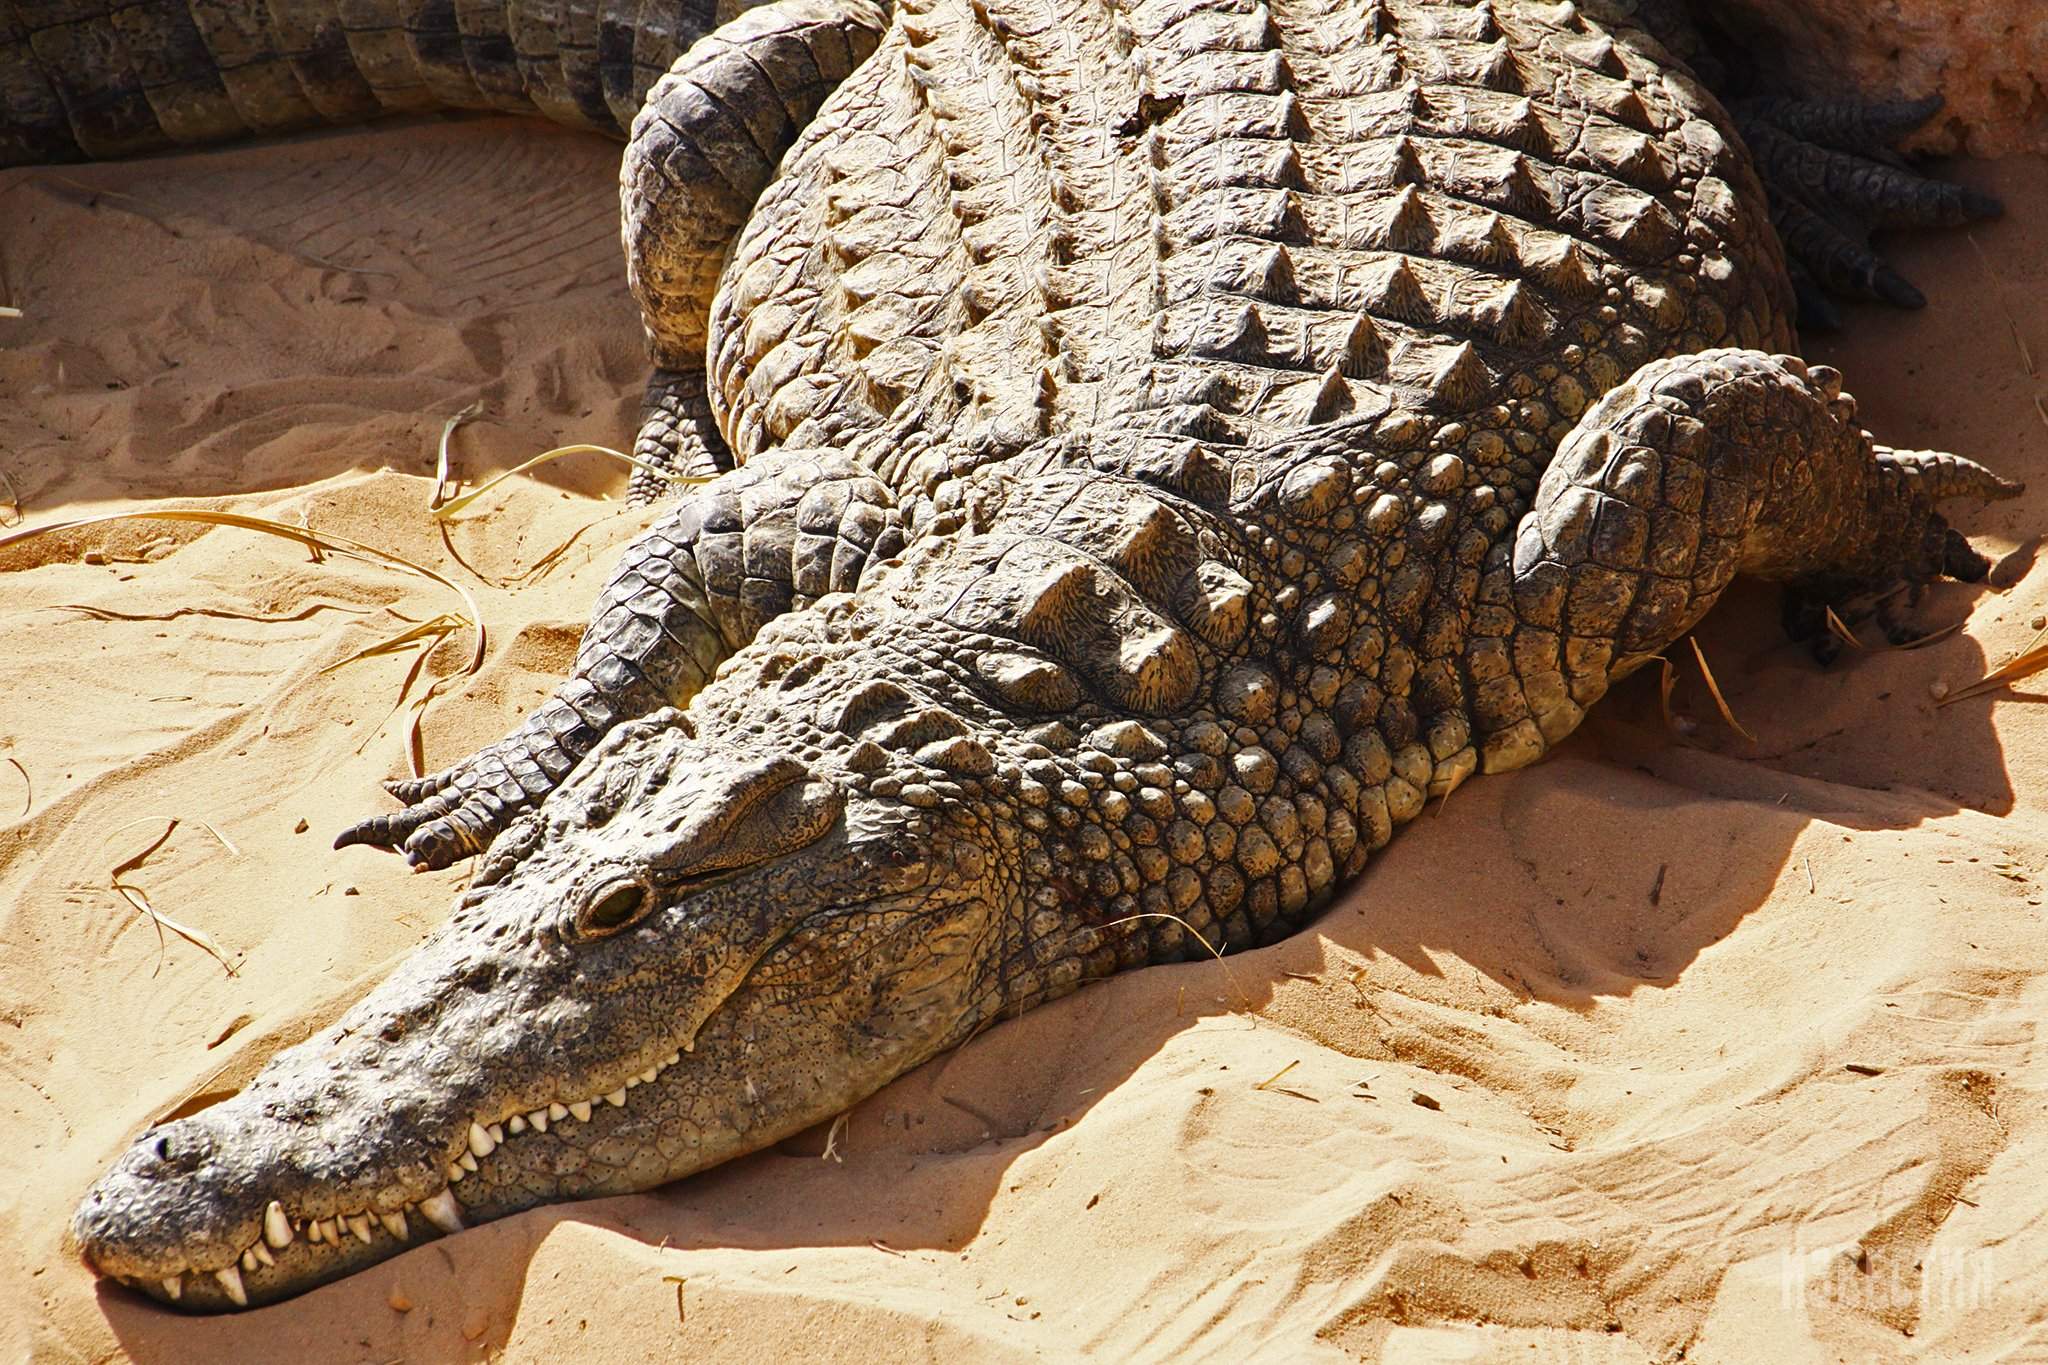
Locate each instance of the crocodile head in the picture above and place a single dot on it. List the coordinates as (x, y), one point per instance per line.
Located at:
(697, 946)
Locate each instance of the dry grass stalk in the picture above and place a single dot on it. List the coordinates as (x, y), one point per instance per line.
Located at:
(1714, 690)
(1278, 1074)
(443, 480)
(215, 613)
(313, 552)
(28, 788)
(540, 567)
(334, 544)
(134, 895)
(433, 631)
(1840, 631)
(831, 1152)
(1667, 681)
(1932, 637)
(10, 507)
(1230, 976)
(446, 508)
(2029, 661)
(446, 511)
(1268, 1084)
(1998, 296)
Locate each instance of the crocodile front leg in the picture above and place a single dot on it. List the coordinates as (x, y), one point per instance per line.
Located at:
(704, 147)
(777, 534)
(1696, 469)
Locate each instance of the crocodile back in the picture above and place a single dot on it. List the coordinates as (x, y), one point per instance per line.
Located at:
(1027, 219)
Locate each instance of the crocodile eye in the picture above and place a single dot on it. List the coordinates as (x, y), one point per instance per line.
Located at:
(613, 908)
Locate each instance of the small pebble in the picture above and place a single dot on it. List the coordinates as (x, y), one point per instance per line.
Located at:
(2039, 623)
(1937, 689)
(350, 891)
(300, 828)
(398, 1300)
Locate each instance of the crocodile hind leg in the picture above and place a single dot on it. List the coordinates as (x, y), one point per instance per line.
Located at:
(1696, 469)
(1831, 166)
(785, 530)
(704, 147)
(1833, 178)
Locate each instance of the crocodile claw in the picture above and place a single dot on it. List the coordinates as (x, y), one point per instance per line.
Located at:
(455, 813)
(1834, 177)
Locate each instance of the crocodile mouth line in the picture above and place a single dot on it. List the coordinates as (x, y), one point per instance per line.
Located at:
(442, 1209)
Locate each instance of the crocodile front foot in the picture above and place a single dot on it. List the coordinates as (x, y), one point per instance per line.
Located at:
(782, 531)
(1927, 549)
(1834, 178)
(454, 813)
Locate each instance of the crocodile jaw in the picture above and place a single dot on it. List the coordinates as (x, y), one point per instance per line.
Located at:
(506, 1064)
(237, 1209)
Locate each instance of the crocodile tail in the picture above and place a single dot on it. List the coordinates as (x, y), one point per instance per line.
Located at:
(87, 79)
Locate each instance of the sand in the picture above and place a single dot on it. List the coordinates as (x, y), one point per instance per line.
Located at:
(1709, 1048)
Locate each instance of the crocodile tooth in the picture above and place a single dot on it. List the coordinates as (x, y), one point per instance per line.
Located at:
(631, 1081)
(647, 1076)
(480, 1142)
(516, 1124)
(443, 1212)
(581, 1109)
(231, 1283)
(497, 1132)
(617, 1098)
(277, 1229)
(673, 1057)
(263, 1254)
(173, 1287)
(359, 1224)
(249, 1261)
(539, 1119)
(394, 1223)
(316, 1231)
(467, 1161)
(557, 1111)
(455, 1173)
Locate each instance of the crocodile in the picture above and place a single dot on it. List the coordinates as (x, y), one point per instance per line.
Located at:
(1142, 452)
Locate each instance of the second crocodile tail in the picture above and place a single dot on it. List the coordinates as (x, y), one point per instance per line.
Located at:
(88, 79)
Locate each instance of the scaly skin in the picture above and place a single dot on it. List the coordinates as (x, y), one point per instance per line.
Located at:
(1178, 440)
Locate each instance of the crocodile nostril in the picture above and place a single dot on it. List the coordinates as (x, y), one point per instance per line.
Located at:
(175, 1152)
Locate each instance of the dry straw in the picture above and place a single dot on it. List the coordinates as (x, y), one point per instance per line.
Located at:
(1714, 690)
(2029, 661)
(440, 628)
(135, 897)
(445, 508)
